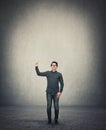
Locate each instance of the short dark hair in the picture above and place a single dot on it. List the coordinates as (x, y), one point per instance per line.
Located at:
(55, 63)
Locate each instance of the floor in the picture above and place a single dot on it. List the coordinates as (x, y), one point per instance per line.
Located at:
(35, 118)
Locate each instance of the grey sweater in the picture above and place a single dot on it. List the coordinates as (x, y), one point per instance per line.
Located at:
(54, 80)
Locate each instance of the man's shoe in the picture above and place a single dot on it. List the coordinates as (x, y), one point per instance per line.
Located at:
(56, 122)
(49, 121)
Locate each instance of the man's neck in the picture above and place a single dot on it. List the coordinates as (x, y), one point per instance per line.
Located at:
(53, 70)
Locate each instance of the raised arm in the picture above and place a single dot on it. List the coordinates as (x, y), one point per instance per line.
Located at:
(38, 72)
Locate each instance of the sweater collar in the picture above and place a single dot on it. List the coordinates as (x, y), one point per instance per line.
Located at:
(53, 71)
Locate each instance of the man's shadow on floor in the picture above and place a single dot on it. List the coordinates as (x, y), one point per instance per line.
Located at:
(43, 123)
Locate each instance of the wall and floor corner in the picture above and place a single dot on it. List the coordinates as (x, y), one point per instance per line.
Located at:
(70, 32)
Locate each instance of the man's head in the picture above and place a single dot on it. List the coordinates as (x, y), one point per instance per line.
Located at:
(54, 65)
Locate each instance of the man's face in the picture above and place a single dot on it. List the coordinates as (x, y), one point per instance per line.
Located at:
(54, 67)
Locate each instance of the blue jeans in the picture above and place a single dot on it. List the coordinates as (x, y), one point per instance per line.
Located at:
(55, 99)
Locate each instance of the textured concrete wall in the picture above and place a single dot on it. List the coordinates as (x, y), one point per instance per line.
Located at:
(68, 32)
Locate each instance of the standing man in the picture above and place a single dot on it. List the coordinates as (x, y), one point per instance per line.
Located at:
(54, 89)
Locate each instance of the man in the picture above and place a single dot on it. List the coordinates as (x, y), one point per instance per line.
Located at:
(54, 89)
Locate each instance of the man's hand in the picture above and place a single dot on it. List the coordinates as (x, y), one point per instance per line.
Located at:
(58, 95)
(36, 64)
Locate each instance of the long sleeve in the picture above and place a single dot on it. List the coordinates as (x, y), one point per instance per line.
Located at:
(61, 83)
(40, 73)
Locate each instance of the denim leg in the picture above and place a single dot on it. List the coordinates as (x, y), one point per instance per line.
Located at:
(49, 105)
(56, 106)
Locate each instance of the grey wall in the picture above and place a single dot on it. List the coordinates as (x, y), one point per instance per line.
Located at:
(70, 32)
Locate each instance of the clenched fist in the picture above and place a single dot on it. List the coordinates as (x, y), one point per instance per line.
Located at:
(36, 64)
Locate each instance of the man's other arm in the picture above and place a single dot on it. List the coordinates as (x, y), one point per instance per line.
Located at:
(61, 83)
